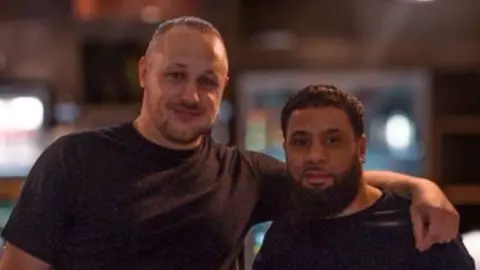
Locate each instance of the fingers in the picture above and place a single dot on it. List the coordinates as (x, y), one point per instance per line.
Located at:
(442, 227)
(450, 228)
(435, 232)
(419, 231)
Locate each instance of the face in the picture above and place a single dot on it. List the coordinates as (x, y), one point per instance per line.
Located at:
(183, 77)
(324, 158)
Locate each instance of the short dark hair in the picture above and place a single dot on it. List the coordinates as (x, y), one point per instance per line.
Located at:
(189, 21)
(321, 95)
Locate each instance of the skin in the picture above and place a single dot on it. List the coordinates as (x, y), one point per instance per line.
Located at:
(320, 150)
(183, 87)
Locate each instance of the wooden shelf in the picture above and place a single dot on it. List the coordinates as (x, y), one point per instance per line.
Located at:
(463, 194)
(459, 125)
(10, 188)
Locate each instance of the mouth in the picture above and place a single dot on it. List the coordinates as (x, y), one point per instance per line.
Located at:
(185, 115)
(317, 178)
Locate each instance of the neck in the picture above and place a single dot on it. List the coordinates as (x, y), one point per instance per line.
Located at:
(145, 127)
(367, 195)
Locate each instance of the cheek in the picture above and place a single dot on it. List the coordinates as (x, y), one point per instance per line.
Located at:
(156, 99)
(211, 103)
(294, 163)
(340, 161)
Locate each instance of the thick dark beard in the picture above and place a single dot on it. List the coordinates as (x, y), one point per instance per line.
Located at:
(312, 204)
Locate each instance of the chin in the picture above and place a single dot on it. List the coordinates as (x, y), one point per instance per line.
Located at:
(185, 135)
(182, 138)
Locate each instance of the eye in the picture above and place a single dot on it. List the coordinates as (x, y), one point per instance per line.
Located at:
(208, 82)
(332, 140)
(176, 76)
(299, 142)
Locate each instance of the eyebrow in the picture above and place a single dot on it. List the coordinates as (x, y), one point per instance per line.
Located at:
(330, 131)
(299, 133)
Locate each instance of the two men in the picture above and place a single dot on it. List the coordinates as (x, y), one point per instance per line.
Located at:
(340, 222)
(158, 193)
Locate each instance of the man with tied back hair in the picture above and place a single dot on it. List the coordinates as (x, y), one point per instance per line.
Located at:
(339, 221)
(158, 193)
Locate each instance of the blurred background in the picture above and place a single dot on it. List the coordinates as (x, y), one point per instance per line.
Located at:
(71, 65)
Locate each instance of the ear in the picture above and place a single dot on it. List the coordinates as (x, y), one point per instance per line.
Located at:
(142, 71)
(362, 148)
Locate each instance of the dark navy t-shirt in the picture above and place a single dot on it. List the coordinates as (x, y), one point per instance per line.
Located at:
(379, 237)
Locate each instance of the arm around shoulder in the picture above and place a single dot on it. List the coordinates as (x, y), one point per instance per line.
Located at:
(273, 183)
(36, 228)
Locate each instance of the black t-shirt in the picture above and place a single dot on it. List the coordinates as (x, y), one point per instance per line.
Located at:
(109, 199)
(379, 237)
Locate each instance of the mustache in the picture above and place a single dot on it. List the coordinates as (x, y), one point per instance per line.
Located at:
(315, 169)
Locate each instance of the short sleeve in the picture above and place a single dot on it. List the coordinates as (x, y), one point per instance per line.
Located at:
(450, 256)
(40, 218)
(274, 187)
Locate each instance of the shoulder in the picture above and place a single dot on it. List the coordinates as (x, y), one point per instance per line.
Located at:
(68, 150)
(86, 136)
(390, 215)
(393, 203)
(260, 163)
(94, 139)
(451, 256)
(264, 164)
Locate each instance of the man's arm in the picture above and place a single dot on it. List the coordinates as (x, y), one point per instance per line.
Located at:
(15, 258)
(400, 184)
(434, 218)
(36, 228)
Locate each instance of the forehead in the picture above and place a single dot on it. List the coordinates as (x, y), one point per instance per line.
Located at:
(184, 46)
(318, 120)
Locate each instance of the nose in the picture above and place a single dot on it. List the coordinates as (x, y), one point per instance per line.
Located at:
(317, 154)
(190, 93)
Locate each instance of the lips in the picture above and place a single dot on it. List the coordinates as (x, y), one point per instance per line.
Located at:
(317, 178)
(186, 115)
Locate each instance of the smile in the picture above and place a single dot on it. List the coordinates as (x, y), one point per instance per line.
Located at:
(317, 178)
(186, 115)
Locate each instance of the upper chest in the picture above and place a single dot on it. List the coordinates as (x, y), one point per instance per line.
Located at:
(211, 197)
(350, 246)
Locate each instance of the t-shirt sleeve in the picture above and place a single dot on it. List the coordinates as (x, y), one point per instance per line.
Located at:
(39, 220)
(451, 256)
(273, 182)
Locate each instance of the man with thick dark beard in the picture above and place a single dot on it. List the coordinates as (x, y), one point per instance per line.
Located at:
(345, 223)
